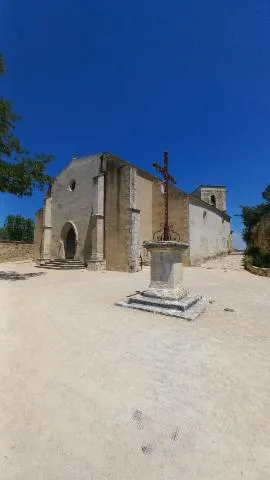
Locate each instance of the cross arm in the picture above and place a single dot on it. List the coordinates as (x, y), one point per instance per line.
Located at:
(158, 168)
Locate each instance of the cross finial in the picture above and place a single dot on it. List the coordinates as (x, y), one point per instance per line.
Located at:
(164, 171)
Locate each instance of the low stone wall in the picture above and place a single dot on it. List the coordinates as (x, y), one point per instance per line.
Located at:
(264, 272)
(15, 251)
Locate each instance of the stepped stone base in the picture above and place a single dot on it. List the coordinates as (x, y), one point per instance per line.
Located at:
(166, 293)
(167, 303)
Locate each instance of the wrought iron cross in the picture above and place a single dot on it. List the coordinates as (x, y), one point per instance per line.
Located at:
(164, 170)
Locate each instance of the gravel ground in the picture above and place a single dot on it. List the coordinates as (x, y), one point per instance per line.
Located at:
(229, 262)
(94, 391)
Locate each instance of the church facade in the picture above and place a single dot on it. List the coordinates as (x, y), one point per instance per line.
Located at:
(100, 209)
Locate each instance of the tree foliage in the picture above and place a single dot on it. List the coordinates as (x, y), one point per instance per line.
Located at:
(18, 228)
(252, 215)
(20, 173)
(266, 193)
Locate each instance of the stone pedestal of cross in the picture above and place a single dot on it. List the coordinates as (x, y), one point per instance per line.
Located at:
(166, 293)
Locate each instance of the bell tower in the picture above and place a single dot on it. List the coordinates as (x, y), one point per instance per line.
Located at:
(215, 195)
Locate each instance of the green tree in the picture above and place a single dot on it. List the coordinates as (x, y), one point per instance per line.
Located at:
(17, 228)
(252, 215)
(266, 193)
(20, 173)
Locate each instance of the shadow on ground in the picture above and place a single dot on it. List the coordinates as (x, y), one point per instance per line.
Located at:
(18, 276)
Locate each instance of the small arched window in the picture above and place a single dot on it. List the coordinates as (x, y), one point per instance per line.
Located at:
(72, 185)
(213, 200)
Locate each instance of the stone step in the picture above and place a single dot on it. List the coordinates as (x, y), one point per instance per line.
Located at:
(190, 313)
(59, 264)
(182, 304)
(63, 262)
(61, 267)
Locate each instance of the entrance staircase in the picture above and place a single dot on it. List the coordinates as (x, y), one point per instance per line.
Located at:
(61, 264)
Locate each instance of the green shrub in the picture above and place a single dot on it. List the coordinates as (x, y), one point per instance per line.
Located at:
(251, 216)
(17, 228)
(251, 251)
(253, 256)
(262, 260)
(247, 260)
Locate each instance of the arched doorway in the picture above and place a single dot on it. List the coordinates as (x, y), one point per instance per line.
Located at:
(70, 244)
(69, 241)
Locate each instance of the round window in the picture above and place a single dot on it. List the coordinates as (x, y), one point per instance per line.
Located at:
(72, 185)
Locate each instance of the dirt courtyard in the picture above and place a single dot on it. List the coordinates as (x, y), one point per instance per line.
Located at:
(92, 391)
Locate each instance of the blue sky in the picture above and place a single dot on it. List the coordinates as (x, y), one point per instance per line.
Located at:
(139, 77)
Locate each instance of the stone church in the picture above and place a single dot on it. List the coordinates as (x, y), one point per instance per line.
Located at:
(100, 209)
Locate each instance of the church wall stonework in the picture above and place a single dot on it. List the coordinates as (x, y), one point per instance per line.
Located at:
(75, 205)
(132, 224)
(38, 234)
(47, 228)
(126, 221)
(209, 231)
(117, 200)
(145, 205)
(114, 235)
(178, 213)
